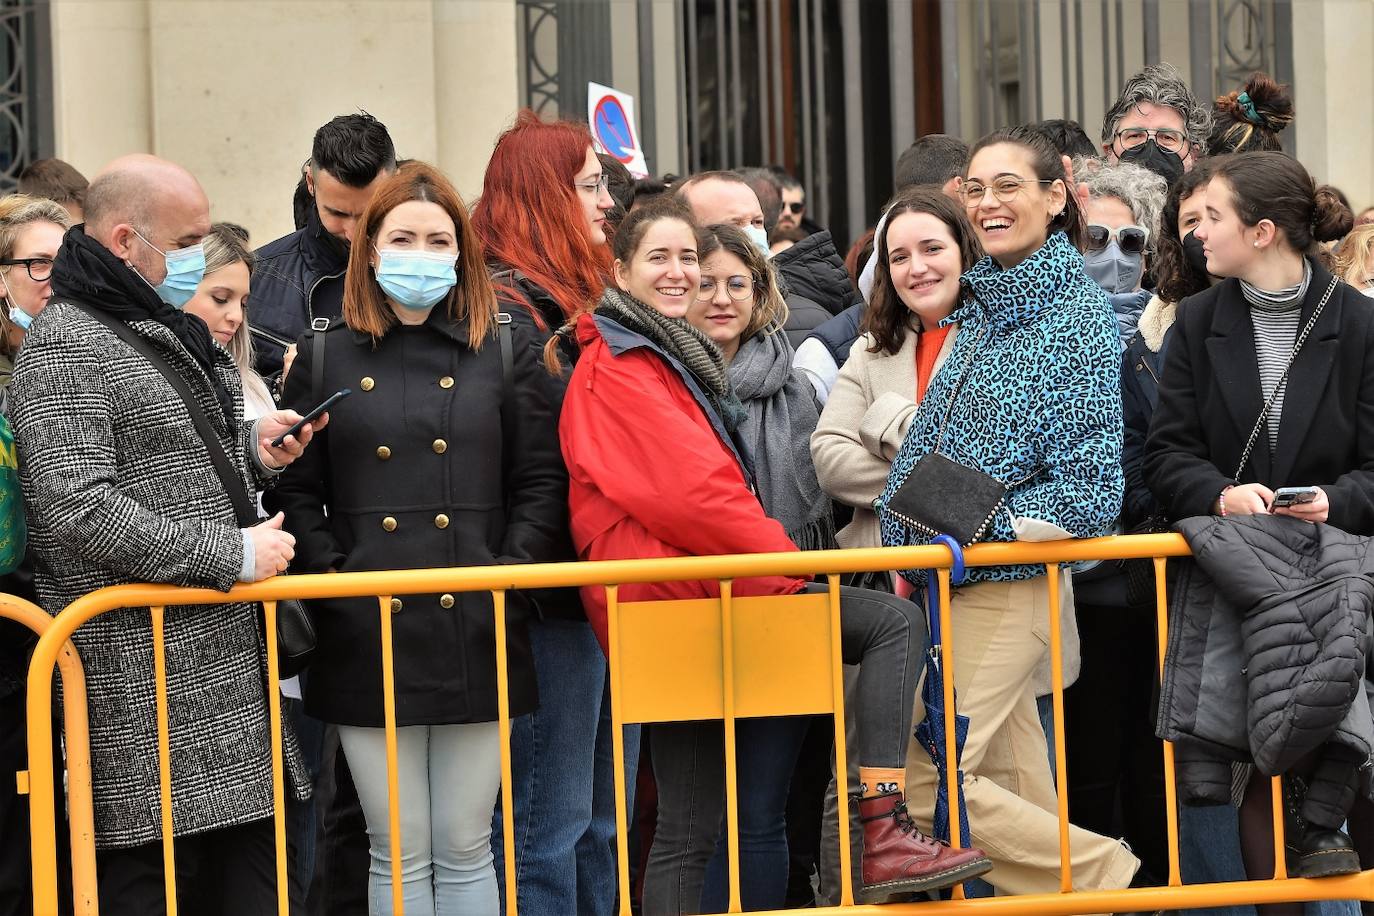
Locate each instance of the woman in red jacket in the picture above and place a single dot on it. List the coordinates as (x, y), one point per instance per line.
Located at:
(647, 432)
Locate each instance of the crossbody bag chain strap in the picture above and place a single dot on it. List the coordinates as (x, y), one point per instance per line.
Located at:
(1269, 404)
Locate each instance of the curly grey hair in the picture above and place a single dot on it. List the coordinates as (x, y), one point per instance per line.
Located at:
(1161, 84)
(1138, 188)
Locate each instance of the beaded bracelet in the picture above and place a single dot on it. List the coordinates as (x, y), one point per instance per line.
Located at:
(1221, 502)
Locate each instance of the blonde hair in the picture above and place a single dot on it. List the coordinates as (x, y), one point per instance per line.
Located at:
(224, 246)
(20, 210)
(17, 213)
(1355, 256)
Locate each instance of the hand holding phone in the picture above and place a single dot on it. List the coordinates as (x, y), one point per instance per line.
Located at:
(1286, 497)
(314, 414)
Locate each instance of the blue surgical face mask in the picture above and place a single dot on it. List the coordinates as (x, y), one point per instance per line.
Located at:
(759, 238)
(21, 318)
(185, 270)
(416, 279)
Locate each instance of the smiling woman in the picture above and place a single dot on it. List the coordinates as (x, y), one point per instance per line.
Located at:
(1030, 395)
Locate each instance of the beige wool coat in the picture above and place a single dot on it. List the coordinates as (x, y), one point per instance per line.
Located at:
(862, 427)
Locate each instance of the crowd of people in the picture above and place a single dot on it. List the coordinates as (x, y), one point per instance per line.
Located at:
(1041, 337)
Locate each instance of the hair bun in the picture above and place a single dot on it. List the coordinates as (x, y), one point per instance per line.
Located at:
(1263, 102)
(1331, 217)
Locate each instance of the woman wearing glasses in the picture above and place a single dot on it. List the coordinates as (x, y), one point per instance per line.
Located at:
(31, 231)
(1114, 760)
(1030, 395)
(542, 221)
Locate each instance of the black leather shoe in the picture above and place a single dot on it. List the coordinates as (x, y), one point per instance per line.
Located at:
(1324, 852)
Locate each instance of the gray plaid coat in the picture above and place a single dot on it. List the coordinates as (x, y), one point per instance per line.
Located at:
(120, 488)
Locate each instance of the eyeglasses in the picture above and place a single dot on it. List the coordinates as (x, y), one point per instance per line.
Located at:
(602, 182)
(737, 287)
(1004, 189)
(1131, 238)
(1173, 141)
(39, 269)
(793, 206)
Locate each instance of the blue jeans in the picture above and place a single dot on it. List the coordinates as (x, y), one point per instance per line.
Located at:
(448, 776)
(561, 766)
(1209, 853)
(766, 754)
(300, 816)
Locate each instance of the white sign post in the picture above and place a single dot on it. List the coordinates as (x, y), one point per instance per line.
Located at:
(611, 115)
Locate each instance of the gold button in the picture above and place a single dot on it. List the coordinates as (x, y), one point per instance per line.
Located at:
(388, 524)
(367, 383)
(383, 452)
(446, 382)
(440, 446)
(396, 605)
(441, 521)
(445, 601)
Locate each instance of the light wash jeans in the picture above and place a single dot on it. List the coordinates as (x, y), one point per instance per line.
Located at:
(564, 782)
(448, 776)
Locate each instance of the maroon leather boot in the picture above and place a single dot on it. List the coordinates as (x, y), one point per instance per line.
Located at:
(899, 859)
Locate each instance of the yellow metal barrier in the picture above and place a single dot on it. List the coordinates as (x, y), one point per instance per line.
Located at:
(735, 679)
(81, 817)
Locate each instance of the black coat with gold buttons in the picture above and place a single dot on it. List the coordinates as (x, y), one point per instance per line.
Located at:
(411, 473)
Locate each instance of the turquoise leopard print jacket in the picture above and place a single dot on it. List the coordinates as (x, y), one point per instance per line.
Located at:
(1040, 404)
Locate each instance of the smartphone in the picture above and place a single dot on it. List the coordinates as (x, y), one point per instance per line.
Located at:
(1293, 496)
(300, 424)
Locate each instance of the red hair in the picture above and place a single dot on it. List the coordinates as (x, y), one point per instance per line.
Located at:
(530, 217)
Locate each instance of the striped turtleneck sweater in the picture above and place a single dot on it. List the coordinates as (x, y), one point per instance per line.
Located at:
(1276, 316)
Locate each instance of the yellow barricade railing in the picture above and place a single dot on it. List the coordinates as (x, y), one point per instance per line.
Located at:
(81, 817)
(710, 657)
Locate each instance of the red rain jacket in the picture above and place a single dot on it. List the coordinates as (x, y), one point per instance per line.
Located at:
(650, 475)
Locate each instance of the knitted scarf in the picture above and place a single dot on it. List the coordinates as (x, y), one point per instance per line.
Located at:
(781, 416)
(683, 343)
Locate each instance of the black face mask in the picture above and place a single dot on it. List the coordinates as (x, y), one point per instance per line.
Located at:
(334, 245)
(1150, 156)
(1192, 253)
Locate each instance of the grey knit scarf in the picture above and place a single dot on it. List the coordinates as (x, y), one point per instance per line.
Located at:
(684, 343)
(781, 415)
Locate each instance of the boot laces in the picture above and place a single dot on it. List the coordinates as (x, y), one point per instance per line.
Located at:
(906, 824)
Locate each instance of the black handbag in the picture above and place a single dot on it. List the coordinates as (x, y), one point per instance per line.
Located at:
(942, 496)
(295, 630)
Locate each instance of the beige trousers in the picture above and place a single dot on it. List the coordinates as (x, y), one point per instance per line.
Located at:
(1001, 631)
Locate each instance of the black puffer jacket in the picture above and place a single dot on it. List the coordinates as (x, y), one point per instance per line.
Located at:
(297, 279)
(816, 284)
(1268, 634)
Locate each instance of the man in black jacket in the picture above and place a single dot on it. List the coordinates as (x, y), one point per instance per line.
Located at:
(299, 277)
